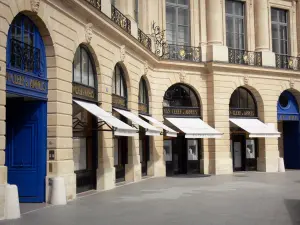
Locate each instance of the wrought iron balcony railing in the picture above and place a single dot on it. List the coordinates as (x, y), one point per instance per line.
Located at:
(120, 19)
(287, 62)
(24, 57)
(95, 3)
(144, 39)
(180, 52)
(237, 56)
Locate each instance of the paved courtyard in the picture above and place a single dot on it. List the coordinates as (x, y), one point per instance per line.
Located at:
(239, 199)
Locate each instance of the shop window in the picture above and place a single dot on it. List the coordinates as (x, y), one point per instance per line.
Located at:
(83, 69)
(180, 95)
(241, 98)
(143, 97)
(178, 22)
(235, 28)
(119, 88)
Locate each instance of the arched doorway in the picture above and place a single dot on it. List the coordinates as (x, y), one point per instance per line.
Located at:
(144, 139)
(181, 110)
(119, 100)
(26, 109)
(84, 123)
(288, 124)
(246, 129)
(244, 149)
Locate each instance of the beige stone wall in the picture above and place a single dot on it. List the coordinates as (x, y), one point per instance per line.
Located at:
(63, 26)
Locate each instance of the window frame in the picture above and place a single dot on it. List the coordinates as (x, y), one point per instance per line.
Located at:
(279, 25)
(89, 62)
(144, 99)
(235, 16)
(178, 6)
(122, 81)
(249, 94)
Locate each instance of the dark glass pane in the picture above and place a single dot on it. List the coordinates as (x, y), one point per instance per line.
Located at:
(284, 47)
(275, 46)
(282, 16)
(229, 24)
(171, 15)
(183, 35)
(241, 42)
(76, 66)
(239, 25)
(234, 100)
(239, 8)
(229, 7)
(183, 2)
(183, 16)
(171, 33)
(274, 15)
(16, 33)
(251, 102)
(283, 101)
(229, 40)
(283, 32)
(275, 31)
(243, 98)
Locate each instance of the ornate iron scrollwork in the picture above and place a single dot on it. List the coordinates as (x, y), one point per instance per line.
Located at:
(95, 3)
(287, 62)
(25, 57)
(238, 56)
(120, 19)
(172, 51)
(144, 39)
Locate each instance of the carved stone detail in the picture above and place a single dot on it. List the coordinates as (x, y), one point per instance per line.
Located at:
(122, 53)
(182, 76)
(146, 68)
(246, 79)
(292, 83)
(35, 5)
(89, 32)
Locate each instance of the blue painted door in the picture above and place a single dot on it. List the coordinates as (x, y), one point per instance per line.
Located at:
(26, 148)
(291, 144)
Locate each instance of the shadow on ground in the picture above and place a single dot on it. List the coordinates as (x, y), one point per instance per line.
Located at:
(293, 207)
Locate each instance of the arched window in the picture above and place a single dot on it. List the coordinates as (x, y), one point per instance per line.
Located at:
(143, 97)
(180, 95)
(83, 67)
(241, 98)
(119, 85)
(25, 47)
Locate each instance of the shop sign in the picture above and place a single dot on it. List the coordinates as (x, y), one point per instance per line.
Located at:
(83, 92)
(118, 101)
(171, 111)
(284, 117)
(242, 113)
(27, 82)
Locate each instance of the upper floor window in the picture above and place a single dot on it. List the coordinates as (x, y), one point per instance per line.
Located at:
(279, 31)
(178, 22)
(83, 69)
(235, 20)
(25, 47)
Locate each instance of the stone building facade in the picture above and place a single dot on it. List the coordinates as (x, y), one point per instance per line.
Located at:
(138, 37)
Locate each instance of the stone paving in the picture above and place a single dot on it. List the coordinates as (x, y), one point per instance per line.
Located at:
(239, 199)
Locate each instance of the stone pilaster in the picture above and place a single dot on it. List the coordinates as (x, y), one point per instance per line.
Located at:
(262, 32)
(216, 51)
(60, 142)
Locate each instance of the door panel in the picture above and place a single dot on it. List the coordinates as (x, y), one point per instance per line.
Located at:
(26, 148)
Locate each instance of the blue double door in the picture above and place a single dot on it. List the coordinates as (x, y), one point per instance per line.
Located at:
(26, 127)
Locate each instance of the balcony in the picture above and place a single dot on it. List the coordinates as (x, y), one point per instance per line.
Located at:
(180, 52)
(120, 19)
(95, 3)
(243, 57)
(287, 62)
(144, 39)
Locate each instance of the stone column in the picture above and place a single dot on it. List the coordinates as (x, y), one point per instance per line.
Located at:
(216, 51)
(3, 169)
(60, 143)
(262, 32)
